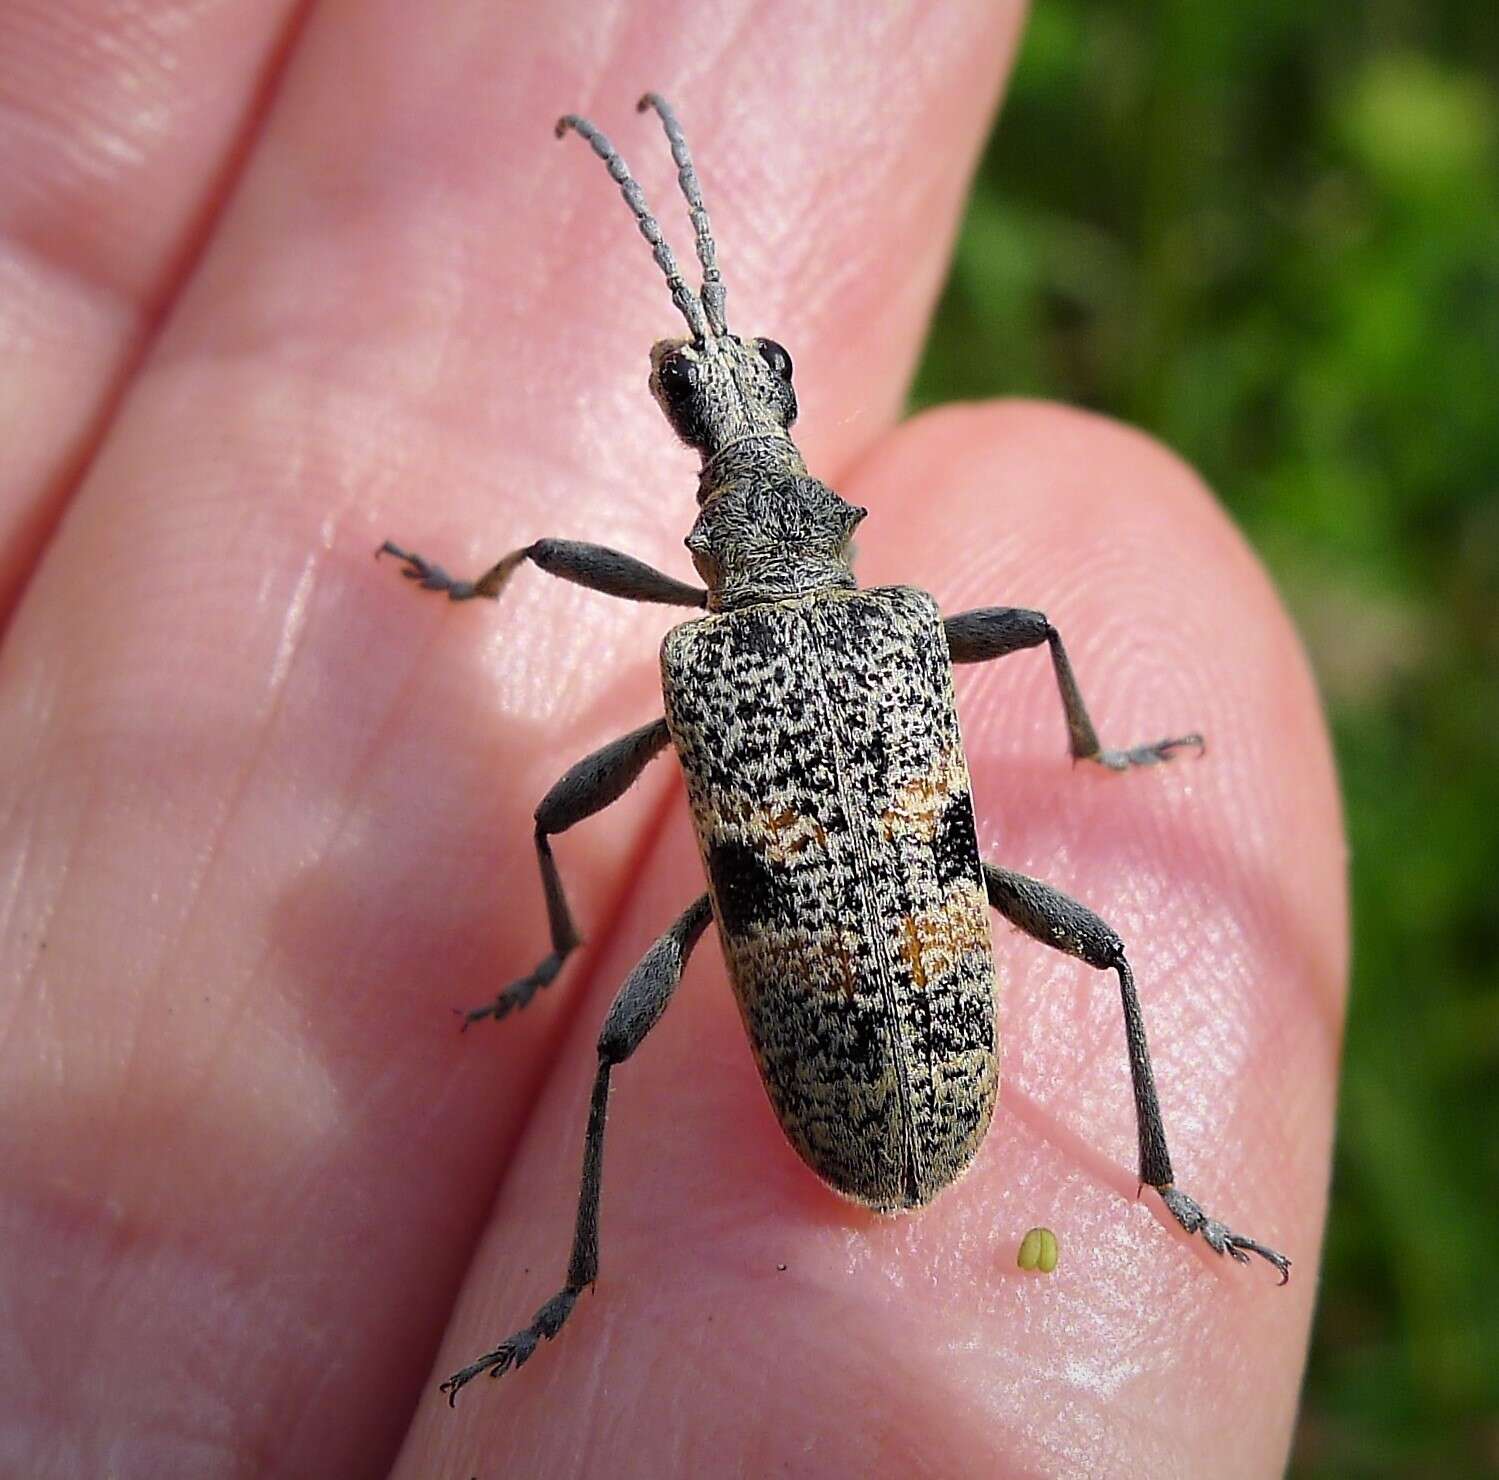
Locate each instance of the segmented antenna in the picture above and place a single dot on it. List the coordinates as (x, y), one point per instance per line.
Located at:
(713, 290)
(683, 296)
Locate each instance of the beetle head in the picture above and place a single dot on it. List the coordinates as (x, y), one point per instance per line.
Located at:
(723, 390)
(715, 388)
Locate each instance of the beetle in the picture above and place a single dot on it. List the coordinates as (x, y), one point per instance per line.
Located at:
(816, 729)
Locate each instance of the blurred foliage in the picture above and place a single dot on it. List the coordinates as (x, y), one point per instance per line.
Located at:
(1270, 235)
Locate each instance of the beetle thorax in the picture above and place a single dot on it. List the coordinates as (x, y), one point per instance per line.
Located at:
(766, 531)
(771, 532)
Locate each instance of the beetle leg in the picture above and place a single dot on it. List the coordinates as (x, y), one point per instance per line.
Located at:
(636, 1010)
(588, 787)
(1058, 921)
(993, 631)
(594, 566)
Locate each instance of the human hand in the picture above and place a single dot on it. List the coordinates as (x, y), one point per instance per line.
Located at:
(268, 811)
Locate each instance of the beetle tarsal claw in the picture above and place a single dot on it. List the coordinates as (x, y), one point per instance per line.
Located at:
(519, 993)
(413, 566)
(1218, 1236)
(497, 1363)
(1148, 755)
(516, 1350)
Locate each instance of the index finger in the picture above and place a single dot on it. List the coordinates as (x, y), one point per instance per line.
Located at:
(299, 794)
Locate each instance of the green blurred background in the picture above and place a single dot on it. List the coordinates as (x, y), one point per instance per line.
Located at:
(1269, 234)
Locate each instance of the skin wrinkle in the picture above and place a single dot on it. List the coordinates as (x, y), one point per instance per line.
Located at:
(1232, 894)
(157, 989)
(43, 333)
(294, 623)
(42, 277)
(98, 161)
(64, 874)
(131, 314)
(1100, 1170)
(156, 992)
(15, 877)
(354, 786)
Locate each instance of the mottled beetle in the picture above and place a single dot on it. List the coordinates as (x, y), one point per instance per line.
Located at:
(816, 729)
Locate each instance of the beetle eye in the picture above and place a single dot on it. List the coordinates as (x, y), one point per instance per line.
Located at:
(775, 356)
(676, 379)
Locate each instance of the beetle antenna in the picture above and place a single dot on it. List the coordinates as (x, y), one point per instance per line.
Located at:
(713, 290)
(683, 296)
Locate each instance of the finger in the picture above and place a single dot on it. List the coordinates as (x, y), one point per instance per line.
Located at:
(742, 1310)
(120, 128)
(275, 806)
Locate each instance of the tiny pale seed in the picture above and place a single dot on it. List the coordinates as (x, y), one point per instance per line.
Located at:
(1038, 1251)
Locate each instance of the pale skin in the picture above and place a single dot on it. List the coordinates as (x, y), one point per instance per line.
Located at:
(267, 812)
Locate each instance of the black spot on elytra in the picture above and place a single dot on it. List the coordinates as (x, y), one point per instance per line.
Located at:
(744, 887)
(956, 843)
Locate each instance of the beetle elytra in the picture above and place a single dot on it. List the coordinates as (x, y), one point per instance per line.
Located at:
(815, 725)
